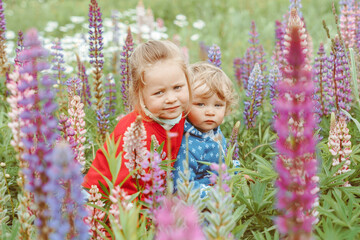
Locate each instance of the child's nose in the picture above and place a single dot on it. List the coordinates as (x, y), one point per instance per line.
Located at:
(170, 98)
(210, 112)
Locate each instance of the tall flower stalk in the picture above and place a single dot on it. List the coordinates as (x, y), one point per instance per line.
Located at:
(66, 202)
(77, 118)
(4, 65)
(125, 69)
(39, 131)
(340, 145)
(59, 69)
(214, 55)
(110, 94)
(85, 92)
(294, 124)
(96, 55)
(254, 93)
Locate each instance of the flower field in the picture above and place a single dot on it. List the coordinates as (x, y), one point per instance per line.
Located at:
(294, 132)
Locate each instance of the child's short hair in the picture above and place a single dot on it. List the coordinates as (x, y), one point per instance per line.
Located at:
(203, 73)
(145, 56)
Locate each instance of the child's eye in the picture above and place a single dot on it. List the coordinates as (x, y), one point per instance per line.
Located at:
(177, 87)
(158, 93)
(199, 104)
(219, 105)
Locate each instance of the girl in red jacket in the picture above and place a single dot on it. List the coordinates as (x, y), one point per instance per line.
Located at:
(160, 93)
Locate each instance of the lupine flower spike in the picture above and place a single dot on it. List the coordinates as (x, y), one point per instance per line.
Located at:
(95, 215)
(59, 69)
(4, 65)
(175, 220)
(110, 94)
(294, 124)
(220, 205)
(348, 24)
(214, 55)
(66, 202)
(154, 180)
(19, 48)
(254, 95)
(233, 142)
(340, 145)
(135, 147)
(274, 78)
(85, 91)
(96, 55)
(125, 71)
(39, 114)
(77, 118)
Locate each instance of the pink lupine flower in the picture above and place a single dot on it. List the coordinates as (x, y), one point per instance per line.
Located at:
(76, 118)
(135, 147)
(348, 25)
(176, 221)
(295, 123)
(94, 214)
(119, 198)
(340, 145)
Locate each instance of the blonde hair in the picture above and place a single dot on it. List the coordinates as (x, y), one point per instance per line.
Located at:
(144, 57)
(217, 82)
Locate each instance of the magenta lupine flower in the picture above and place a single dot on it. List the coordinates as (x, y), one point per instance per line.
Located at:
(340, 145)
(125, 70)
(96, 55)
(85, 91)
(39, 131)
(110, 94)
(320, 78)
(339, 79)
(177, 221)
(254, 94)
(66, 202)
(254, 42)
(214, 55)
(19, 48)
(279, 46)
(95, 215)
(154, 180)
(4, 65)
(296, 162)
(135, 147)
(2, 21)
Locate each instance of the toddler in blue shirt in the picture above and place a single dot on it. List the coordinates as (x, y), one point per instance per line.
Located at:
(213, 97)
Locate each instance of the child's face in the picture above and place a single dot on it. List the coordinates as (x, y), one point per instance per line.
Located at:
(166, 93)
(206, 113)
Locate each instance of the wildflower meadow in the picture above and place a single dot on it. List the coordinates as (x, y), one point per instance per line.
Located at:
(292, 164)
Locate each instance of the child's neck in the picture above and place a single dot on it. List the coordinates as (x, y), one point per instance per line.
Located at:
(167, 124)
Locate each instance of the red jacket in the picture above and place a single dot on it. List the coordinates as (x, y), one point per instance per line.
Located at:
(152, 128)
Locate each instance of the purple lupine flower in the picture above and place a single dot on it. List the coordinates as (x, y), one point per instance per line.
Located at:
(297, 5)
(2, 22)
(65, 201)
(238, 65)
(19, 48)
(339, 79)
(125, 70)
(102, 123)
(39, 131)
(95, 54)
(279, 47)
(110, 94)
(320, 78)
(254, 94)
(296, 162)
(177, 221)
(203, 51)
(154, 180)
(85, 91)
(233, 141)
(273, 79)
(115, 26)
(58, 68)
(214, 55)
